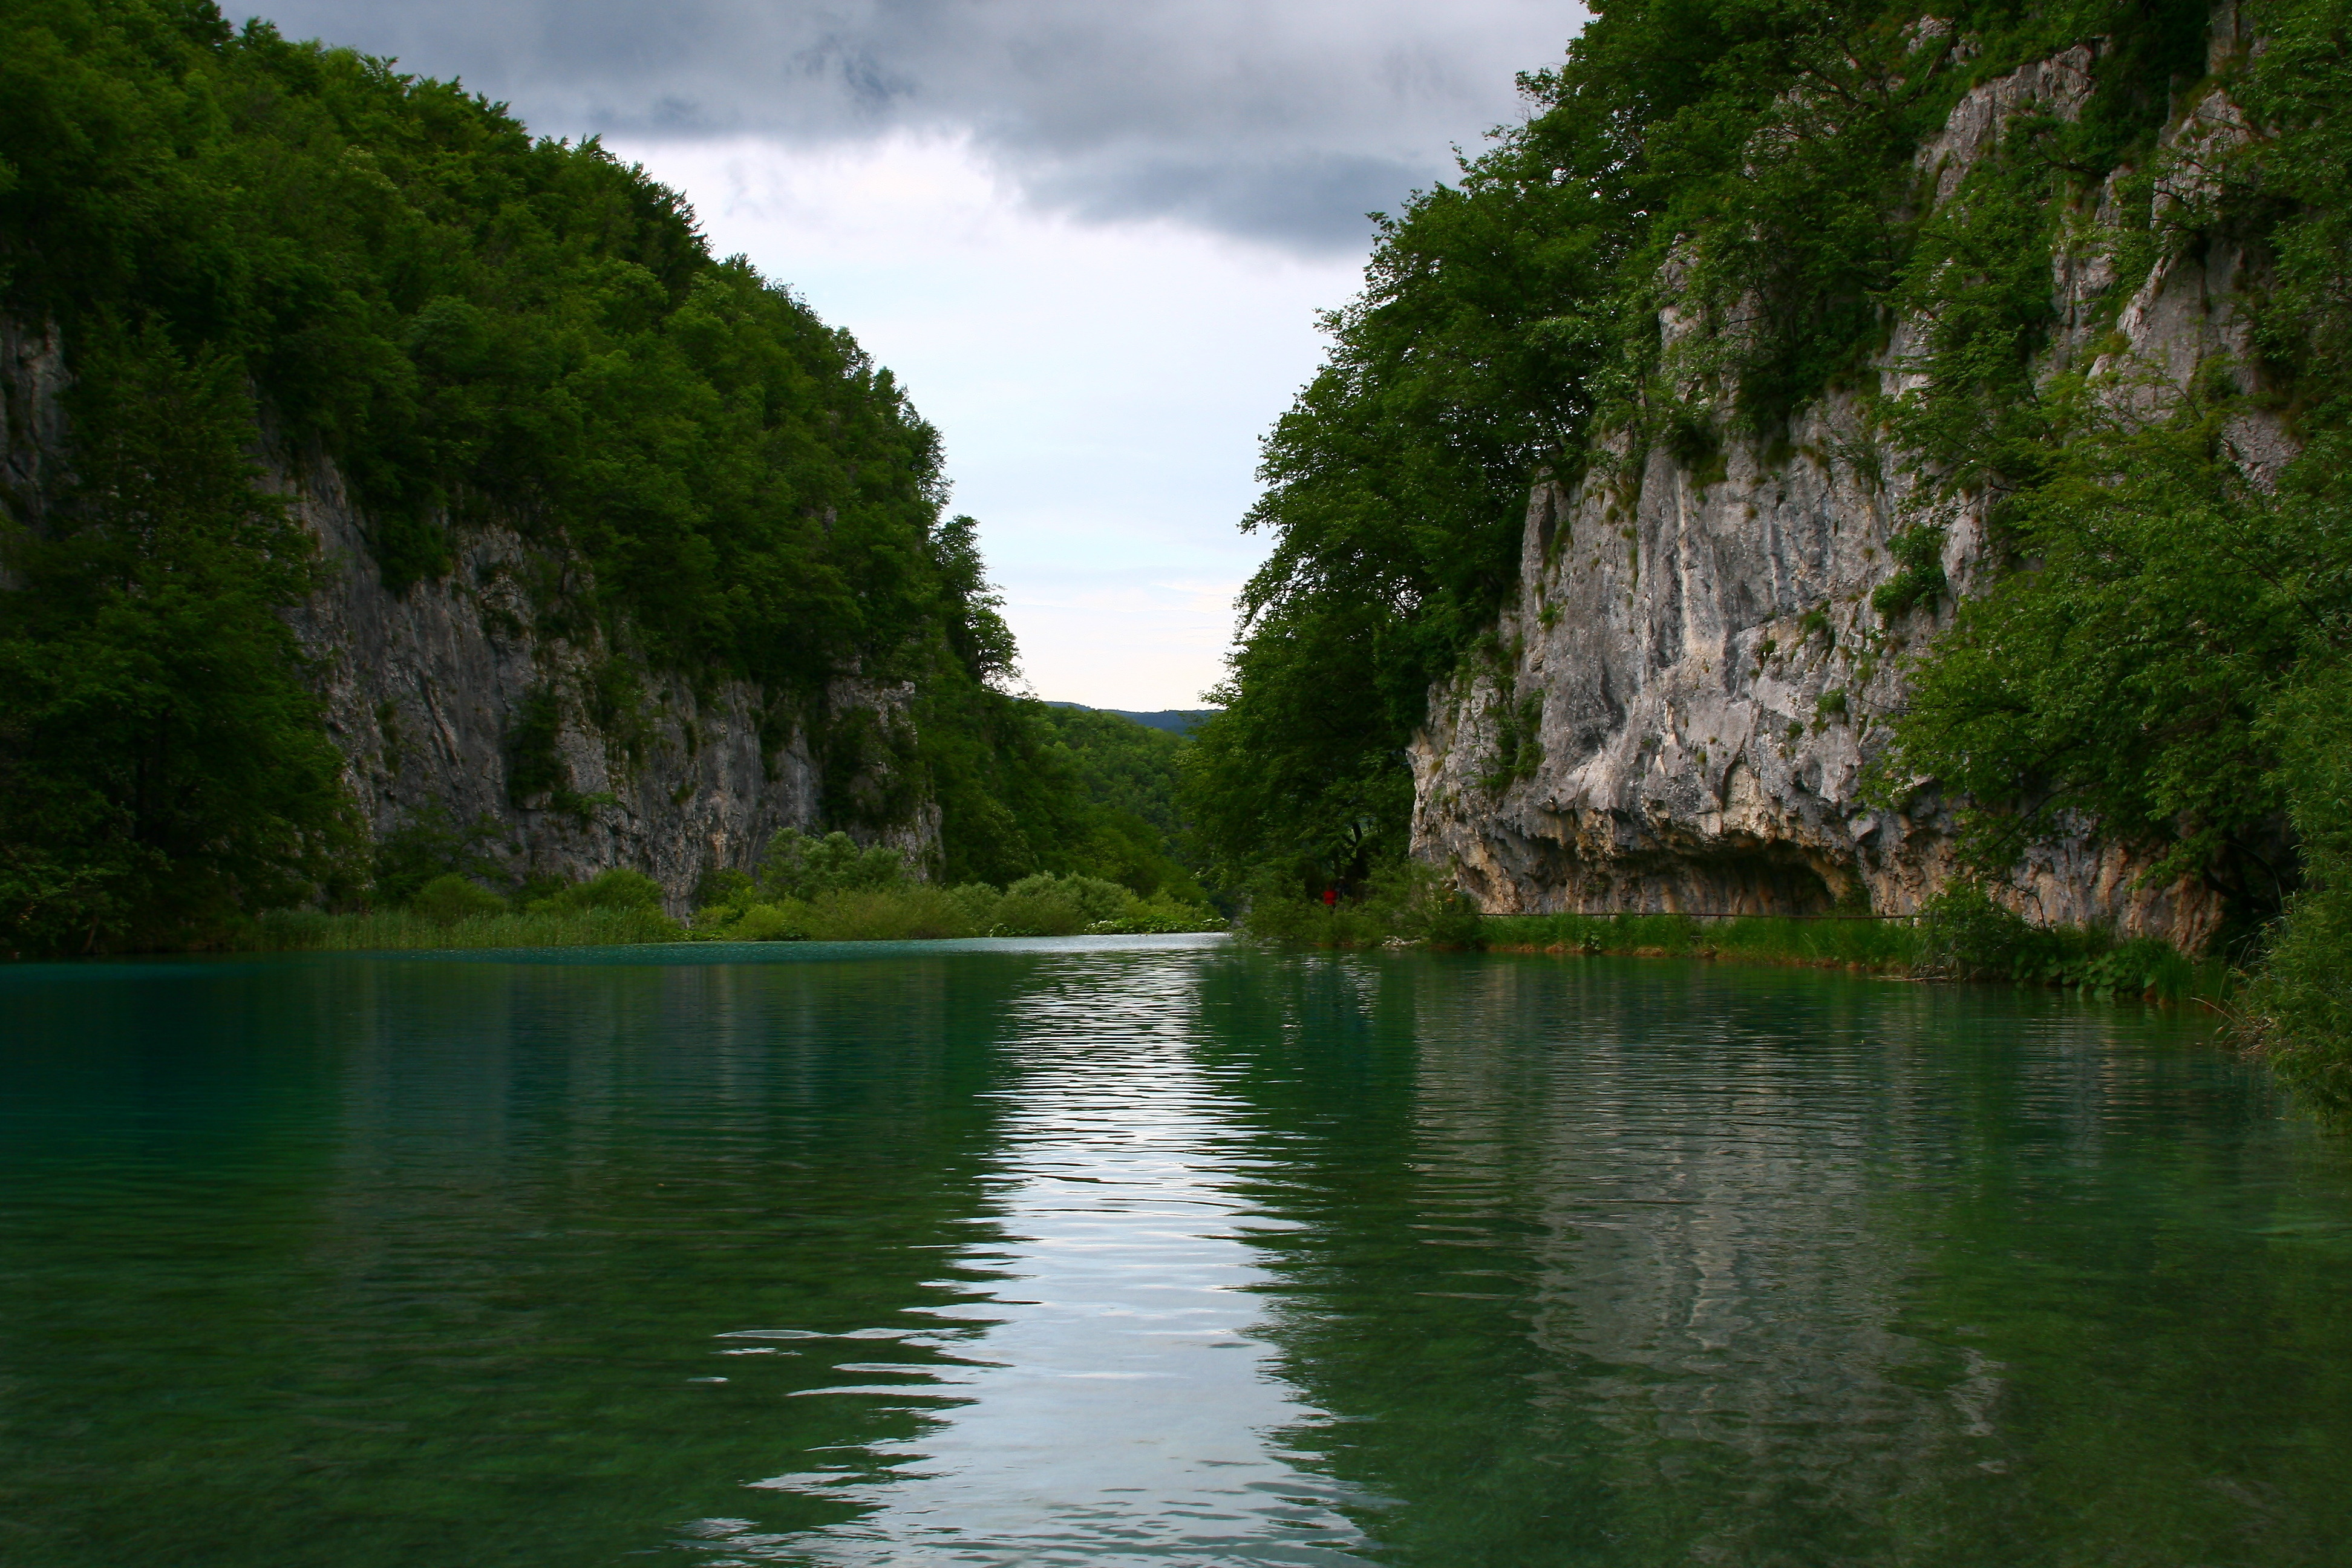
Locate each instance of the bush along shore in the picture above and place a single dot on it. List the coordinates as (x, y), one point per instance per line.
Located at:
(1961, 935)
(833, 889)
(805, 889)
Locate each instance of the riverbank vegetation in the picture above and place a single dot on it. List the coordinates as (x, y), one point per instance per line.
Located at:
(827, 888)
(1961, 936)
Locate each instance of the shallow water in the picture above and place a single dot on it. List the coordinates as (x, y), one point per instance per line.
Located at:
(1148, 1251)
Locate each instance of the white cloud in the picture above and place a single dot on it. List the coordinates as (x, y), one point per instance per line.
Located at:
(1101, 387)
(1283, 120)
(1089, 236)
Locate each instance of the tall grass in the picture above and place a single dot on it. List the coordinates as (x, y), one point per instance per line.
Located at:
(405, 930)
(1939, 945)
(1889, 946)
(1963, 935)
(1042, 905)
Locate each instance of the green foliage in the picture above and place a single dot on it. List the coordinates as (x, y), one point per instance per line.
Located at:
(1403, 902)
(1136, 834)
(448, 898)
(1046, 905)
(1919, 553)
(1964, 936)
(2128, 677)
(1126, 766)
(1042, 904)
(474, 323)
(535, 771)
(430, 844)
(2122, 679)
(1519, 734)
(162, 764)
(316, 931)
(1752, 159)
(799, 868)
(1026, 787)
(2300, 1010)
(1884, 945)
(617, 889)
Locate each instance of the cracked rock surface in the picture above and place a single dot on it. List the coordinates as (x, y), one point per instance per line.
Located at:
(1691, 680)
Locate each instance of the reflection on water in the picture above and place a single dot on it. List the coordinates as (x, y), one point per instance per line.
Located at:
(1081, 1253)
(1111, 1405)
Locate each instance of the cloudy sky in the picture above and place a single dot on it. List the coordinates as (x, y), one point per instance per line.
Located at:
(1089, 235)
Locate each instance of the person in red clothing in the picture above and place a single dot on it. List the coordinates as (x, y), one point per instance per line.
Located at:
(1330, 897)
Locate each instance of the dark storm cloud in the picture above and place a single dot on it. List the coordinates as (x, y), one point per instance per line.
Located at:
(1283, 120)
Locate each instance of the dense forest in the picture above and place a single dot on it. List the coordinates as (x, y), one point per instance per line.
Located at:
(257, 254)
(2171, 665)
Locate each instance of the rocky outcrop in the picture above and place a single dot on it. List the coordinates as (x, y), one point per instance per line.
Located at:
(1679, 706)
(489, 702)
(459, 695)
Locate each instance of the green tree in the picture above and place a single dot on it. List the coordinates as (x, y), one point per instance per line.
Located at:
(162, 762)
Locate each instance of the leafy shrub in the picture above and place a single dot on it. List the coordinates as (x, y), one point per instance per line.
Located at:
(1037, 914)
(2300, 1010)
(430, 843)
(1968, 936)
(759, 922)
(1091, 898)
(1042, 905)
(1919, 553)
(919, 912)
(618, 889)
(797, 867)
(1964, 935)
(450, 898)
(315, 931)
(1165, 914)
(1404, 902)
(725, 886)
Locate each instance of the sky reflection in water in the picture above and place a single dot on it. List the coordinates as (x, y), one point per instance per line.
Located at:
(1165, 1253)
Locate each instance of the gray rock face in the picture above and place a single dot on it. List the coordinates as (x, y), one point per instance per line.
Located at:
(1692, 679)
(428, 692)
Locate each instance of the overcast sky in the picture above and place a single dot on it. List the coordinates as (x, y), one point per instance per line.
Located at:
(1090, 236)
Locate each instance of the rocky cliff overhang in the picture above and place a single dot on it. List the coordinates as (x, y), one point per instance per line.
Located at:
(1680, 703)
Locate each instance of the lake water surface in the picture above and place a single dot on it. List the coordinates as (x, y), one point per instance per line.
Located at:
(1149, 1251)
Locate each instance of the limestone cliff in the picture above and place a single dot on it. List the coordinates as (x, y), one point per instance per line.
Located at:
(1681, 699)
(492, 696)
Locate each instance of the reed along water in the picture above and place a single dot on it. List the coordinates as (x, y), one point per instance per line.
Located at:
(1149, 1251)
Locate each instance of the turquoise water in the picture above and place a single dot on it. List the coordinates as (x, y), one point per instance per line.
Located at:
(1149, 1251)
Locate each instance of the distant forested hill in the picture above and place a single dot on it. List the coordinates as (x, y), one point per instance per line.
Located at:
(1175, 720)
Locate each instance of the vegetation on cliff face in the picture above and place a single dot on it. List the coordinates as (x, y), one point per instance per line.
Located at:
(250, 246)
(162, 763)
(2165, 657)
(1725, 153)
